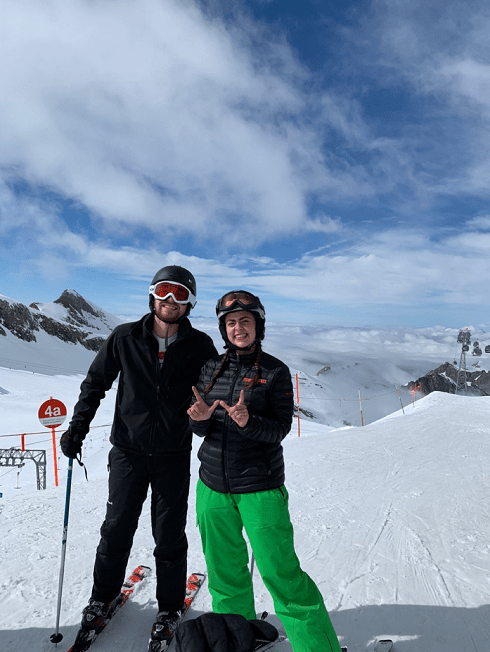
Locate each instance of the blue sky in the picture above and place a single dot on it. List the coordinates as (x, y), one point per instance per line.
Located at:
(333, 157)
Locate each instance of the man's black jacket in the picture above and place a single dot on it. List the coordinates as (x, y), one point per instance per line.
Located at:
(151, 404)
(242, 460)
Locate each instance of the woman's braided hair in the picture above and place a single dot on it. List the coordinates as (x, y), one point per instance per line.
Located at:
(209, 387)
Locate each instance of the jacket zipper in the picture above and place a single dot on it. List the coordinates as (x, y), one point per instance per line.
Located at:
(226, 422)
(160, 369)
(157, 402)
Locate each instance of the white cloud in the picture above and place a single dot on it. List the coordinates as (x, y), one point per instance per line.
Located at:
(398, 267)
(481, 222)
(324, 224)
(156, 118)
(469, 78)
(393, 268)
(152, 115)
(148, 113)
(438, 55)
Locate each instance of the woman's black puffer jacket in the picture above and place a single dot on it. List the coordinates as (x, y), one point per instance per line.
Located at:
(243, 460)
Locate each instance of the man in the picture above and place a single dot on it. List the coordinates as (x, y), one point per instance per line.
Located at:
(158, 360)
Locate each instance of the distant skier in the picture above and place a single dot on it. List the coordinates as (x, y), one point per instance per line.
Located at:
(158, 360)
(243, 408)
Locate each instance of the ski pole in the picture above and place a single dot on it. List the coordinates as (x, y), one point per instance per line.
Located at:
(252, 565)
(57, 637)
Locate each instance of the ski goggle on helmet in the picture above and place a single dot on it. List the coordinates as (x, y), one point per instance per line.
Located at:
(239, 300)
(179, 293)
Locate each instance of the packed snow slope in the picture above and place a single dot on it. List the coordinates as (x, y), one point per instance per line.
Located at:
(391, 520)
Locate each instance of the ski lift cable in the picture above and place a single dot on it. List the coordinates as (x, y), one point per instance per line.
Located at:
(40, 366)
(18, 434)
(11, 470)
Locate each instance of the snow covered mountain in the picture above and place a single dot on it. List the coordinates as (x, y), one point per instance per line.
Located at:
(70, 318)
(73, 309)
(62, 335)
(444, 379)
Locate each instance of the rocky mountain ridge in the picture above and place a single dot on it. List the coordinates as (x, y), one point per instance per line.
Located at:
(444, 378)
(70, 318)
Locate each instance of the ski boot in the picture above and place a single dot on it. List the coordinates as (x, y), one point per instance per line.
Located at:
(95, 614)
(163, 630)
(95, 617)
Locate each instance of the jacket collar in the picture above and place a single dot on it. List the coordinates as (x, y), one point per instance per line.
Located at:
(243, 358)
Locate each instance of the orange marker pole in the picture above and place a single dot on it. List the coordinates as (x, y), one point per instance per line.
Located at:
(54, 458)
(23, 442)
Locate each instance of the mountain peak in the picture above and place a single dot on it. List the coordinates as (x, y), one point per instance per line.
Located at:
(77, 305)
(70, 318)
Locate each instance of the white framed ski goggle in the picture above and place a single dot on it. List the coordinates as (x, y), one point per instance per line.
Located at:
(179, 293)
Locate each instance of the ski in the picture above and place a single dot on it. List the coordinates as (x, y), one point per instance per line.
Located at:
(194, 583)
(86, 637)
(383, 645)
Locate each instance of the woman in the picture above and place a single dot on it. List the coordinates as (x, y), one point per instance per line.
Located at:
(243, 408)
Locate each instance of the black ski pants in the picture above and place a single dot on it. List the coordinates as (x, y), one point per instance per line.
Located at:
(130, 476)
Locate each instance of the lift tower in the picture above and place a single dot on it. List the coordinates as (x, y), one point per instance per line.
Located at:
(16, 457)
(464, 338)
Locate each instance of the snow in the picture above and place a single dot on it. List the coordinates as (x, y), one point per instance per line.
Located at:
(100, 321)
(47, 356)
(391, 519)
(9, 300)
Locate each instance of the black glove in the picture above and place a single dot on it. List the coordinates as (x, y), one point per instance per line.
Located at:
(71, 444)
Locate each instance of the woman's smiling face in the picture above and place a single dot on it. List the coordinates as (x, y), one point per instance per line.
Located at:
(240, 328)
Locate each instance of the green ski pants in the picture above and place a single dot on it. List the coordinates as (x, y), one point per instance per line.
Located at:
(265, 516)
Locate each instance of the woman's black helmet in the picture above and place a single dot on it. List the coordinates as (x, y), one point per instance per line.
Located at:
(238, 300)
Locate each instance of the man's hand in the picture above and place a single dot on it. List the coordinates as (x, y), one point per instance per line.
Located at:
(239, 412)
(70, 445)
(200, 411)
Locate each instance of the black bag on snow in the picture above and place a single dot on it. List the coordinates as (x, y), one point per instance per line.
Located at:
(223, 633)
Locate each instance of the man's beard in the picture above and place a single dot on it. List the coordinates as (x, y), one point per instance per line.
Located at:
(169, 319)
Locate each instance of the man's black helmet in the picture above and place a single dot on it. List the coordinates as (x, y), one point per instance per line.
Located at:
(238, 300)
(176, 274)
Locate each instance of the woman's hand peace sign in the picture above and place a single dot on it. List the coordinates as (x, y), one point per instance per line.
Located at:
(238, 412)
(200, 411)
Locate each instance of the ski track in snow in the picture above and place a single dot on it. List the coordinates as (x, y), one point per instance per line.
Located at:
(408, 526)
(391, 520)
